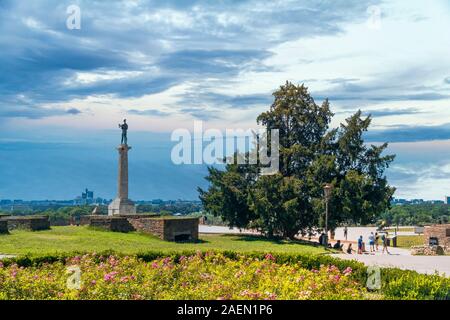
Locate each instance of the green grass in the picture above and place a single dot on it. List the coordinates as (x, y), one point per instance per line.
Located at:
(85, 239)
(409, 229)
(409, 241)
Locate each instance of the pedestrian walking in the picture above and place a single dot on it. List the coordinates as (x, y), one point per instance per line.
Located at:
(377, 239)
(345, 232)
(384, 238)
(372, 242)
(360, 245)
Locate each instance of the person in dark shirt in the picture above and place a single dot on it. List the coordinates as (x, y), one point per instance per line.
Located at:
(338, 245)
(349, 249)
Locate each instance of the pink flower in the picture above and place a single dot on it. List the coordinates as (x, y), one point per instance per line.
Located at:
(332, 268)
(269, 257)
(110, 276)
(155, 265)
(93, 282)
(347, 271)
(271, 296)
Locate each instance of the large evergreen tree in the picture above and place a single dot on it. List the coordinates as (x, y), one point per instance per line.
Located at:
(311, 154)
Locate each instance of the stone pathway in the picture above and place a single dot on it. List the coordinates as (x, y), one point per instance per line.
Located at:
(421, 264)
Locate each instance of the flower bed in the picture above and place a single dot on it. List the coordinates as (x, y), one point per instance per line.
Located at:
(200, 276)
(226, 275)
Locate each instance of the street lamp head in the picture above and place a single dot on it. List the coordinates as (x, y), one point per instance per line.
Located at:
(327, 188)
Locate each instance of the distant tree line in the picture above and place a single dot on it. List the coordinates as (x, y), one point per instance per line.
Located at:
(62, 215)
(170, 208)
(417, 214)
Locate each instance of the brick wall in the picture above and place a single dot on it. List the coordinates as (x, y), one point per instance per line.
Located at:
(118, 224)
(168, 229)
(439, 231)
(149, 225)
(171, 229)
(33, 223)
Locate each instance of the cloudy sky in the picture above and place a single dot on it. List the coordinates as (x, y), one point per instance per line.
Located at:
(165, 64)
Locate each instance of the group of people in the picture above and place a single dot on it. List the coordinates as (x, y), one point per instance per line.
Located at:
(373, 243)
(374, 240)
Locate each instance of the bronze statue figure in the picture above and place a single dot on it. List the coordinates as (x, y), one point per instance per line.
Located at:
(124, 128)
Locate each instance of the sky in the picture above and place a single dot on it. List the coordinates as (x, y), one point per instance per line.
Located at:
(164, 64)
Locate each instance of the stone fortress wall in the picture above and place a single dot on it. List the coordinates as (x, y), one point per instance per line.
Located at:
(169, 229)
(32, 223)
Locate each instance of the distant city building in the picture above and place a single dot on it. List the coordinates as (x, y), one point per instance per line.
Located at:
(447, 199)
(88, 195)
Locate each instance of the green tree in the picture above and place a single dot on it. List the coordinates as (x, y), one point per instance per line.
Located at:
(311, 154)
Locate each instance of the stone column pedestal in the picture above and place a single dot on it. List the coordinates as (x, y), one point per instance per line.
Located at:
(122, 205)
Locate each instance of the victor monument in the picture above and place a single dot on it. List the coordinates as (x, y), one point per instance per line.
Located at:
(122, 205)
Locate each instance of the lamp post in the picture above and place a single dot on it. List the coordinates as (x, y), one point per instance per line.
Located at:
(327, 188)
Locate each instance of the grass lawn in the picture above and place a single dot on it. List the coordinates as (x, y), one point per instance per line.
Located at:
(85, 239)
(409, 241)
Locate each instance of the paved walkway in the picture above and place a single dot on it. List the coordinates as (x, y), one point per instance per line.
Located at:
(399, 257)
(223, 230)
(421, 264)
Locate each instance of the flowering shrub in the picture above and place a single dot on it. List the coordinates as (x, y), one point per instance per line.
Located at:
(407, 284)
(198, 276)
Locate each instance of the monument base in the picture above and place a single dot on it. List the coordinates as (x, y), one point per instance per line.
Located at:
(121, 207)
